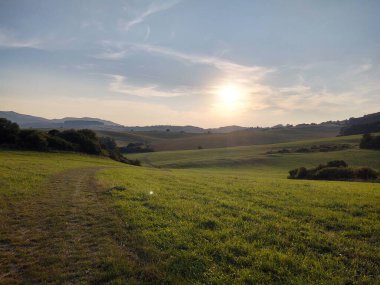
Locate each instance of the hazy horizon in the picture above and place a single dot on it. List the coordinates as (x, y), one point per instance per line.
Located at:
(181, 62)
(204, 127)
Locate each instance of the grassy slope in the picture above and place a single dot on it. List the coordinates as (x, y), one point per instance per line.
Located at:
(255, 156)
(248, 223)
(179, 141)
(25, 172)
(233, 219)
(55, 226)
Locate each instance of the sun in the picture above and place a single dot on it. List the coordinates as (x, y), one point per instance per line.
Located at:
(229, 96)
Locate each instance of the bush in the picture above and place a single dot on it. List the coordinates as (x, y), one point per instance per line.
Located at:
(337, 163)
(334, 173)
(134, 162)
(334, 170)
(32, 139)
(8, 131)
(298, 173)
(366, 173)
(53, 132)
(370, 142)
(136, 148)
(57, 143)
(83, 140)
(301, 173)
(108, 143)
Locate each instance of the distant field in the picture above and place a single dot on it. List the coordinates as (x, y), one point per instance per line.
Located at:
(256, 156)
(161, 141)
(210, 216)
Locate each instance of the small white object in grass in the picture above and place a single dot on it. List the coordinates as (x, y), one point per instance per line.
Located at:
(151, 193)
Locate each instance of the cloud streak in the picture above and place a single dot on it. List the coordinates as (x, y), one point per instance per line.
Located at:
(153, 8)
(239, 73)
(118, 84)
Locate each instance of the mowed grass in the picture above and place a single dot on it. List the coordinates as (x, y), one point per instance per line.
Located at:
(230, 216)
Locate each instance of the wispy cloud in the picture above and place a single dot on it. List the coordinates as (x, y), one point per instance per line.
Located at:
(235, 70)
(9, 40)
(239, 73)
(153, 8)
(118, 84)
(147, 34)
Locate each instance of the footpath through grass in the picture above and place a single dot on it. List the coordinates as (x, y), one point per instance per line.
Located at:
(57, 225)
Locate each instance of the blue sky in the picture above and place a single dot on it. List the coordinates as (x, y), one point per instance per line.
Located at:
(206, 63)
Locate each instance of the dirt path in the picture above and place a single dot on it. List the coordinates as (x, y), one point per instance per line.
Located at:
(68, 234)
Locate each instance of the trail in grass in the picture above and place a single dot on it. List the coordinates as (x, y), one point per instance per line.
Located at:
(68, 233)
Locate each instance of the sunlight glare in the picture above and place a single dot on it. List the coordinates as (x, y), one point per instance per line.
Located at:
(229, 97)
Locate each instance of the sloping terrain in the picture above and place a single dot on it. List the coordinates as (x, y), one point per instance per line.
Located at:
(227, 216)
(262, 156)
(161, 141)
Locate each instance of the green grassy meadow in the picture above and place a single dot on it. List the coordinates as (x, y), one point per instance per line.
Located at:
(25, 172)
(225, 216)
(164, 141)
(256, 157)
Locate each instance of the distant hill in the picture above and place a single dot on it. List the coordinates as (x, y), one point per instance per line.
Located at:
(27, 121)
(160, 141)
(370, 118)
(366, 124)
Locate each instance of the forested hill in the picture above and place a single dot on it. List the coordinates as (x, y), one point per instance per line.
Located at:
(366, 124)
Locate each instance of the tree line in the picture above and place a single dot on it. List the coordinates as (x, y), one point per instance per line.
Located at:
(84, 141)
(369, 141)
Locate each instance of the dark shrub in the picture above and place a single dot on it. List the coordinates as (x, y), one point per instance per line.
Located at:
(53, 132)
(301, 173)
(90, 146)
(293, 173)
(90, 134)
(136, 148)
(107, 143)
(370, 142)
(32, 139)
(335, 173)
(334, 170)
(8, 131)
(337, 163)
(83, 140)
(135, 162)
(302, 149)
(366, 173)
(58, 143)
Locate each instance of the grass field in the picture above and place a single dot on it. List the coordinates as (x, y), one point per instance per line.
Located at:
(211, 216)
(162, 141)
(256, 156)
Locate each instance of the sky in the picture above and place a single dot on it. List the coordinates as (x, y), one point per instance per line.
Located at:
(207, 63)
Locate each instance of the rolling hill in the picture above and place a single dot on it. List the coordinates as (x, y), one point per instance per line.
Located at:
(162, 141)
